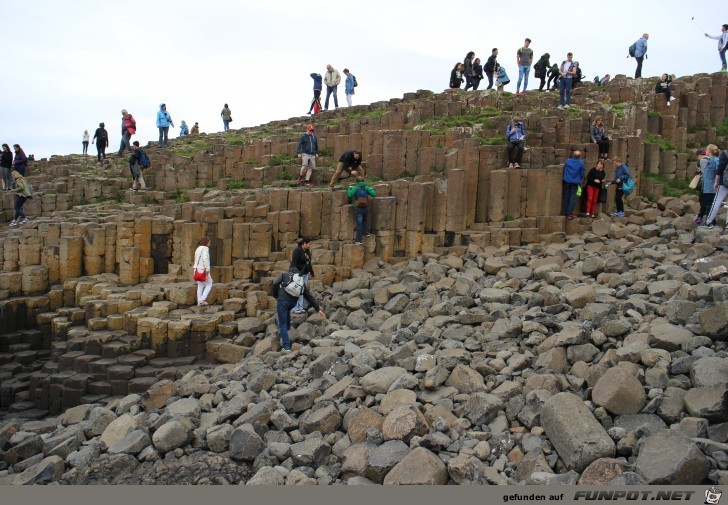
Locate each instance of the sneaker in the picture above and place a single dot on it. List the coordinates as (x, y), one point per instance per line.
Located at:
(547, 90)
(614, 214)
(143, 190)
(516, 165)
(523, 92)
(698, 220)
(710, 226)
(510, 165)
(299, 180)
(369, 235)
(309, 184)
(203, 304)
(13, 223)
(24, 221)
(620, 213)
(567, 106)
(132, 189)
(357, 243)
(560, 107)
(668, 103)
(286, 349)
(298, 311)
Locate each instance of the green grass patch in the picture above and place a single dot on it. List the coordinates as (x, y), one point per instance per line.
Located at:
(284, 175)
(326, 152)
(654, 113)
(376, 113)
(618, 109)
(499, 140)
(234, 140)
(235, 185)
(574, 112)
(673, 187)
(371, 179)
(697, 128)
(191, 147)
(280, 159)
(665, 145)
(509, 218)
(179, 196)
(722, 130)
(484, 116)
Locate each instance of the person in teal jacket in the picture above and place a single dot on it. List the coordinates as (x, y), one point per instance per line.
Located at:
(360, 193)
(164, 121)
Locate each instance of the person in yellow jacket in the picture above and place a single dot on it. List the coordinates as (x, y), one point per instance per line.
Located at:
(332, 80)
(22, 191)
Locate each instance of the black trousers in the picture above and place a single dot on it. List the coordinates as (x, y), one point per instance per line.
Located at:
(515, 152)
(100, 151)
(638, 72)
(316, 98)
(603, 146)
(618, 199)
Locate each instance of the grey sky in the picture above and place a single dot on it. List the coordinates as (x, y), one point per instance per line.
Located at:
(70, 65)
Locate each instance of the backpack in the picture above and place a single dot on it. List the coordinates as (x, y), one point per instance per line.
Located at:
(144, 160)
(294, 286)
(361, 197)
(628, 187)
(103, 136)
(355, 83)
(597, 81)
(632, 49)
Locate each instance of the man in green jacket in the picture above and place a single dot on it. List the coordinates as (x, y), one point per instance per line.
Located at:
(359, 193)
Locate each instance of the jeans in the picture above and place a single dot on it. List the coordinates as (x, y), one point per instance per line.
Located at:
(543, 83)
(7, 180)
(490, 80)
(565, 91)
(283, 310)
(722, 57)
(299, 305)
(225, 125)
(476, 83)
(329, 90)
(568, 197)
(19, 202)
(523, 72)
(717, 202)
(125, 142)
(163, 131)
(468, 81)
(85, 146)
(618, 198)
(638, 72)
(362, 221)
(515, 151)
(203, 289)
(100, 151)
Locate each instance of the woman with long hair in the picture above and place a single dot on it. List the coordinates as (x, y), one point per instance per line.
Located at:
(456, 76)
(597, 135)
(468, 69)
(594, 184)
(21, 160)
(22, 193)
(6, 166)
(202, 266)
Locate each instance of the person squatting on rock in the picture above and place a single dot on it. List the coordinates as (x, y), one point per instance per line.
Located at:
(202, 264)
(722, 45)
(597, 136)
(594, 184)
(301, 261)
(286, 302)
(359, 194)
(468, 70)
(524, 58)
(640, 53)
(164, 121)
(137, 178)
(501, 77)
(227, 117)
(707, 167)
(574, 171)
(332, 80)
(567, 71)
(621, 174)
(350, 162)
(553, 78)
(663, 86)
(128, 128)
(22, 193)
(720, 184)
(307, 150)
(349, 86)
(516, 137)
(101, 136)
(84, 142)
(489, 66)
(317, 87)
(6, 166)
(456, 76)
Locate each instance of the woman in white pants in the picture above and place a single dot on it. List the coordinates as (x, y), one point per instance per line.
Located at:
(202, 263)
(721, 191)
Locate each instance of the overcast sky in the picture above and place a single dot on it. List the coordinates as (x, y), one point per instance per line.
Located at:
(69, 65)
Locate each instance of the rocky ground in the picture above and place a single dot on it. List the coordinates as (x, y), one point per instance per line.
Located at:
(599, 361)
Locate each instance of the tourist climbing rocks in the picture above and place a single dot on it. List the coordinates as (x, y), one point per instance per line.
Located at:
(301, 261)
(359, 194)
(22, 193)
(135, 167)
(201, 268)
(574, 171)
(307, 150)
(621, 175)
(350, 162)
(164, 121)
(286, 301)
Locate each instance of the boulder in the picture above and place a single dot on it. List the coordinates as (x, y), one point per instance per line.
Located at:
(419, 467)
(170, 436)
(669, 457)
(380, 380)
(619, 392)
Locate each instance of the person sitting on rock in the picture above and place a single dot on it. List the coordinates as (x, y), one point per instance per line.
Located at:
(195, 129)
(516, 136)
(350, 162)
(664, 87)
(286, 302)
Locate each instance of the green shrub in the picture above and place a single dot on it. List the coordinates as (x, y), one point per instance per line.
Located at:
(235, 185)
(509, 218)
(673, 187)
(722, 130)
(279, 159)
(326, 152)
(654, 113)
(233, 140)
(284, 175)
(179, 196)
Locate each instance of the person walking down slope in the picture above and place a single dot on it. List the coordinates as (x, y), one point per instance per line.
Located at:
(468, 70)
(640, 53)
(301, 261)
(226, 117)
(317, 87)
(286, 302)
(101, 137)
(128, 128)
(349, 84)
(360, 193)
(722, 45)
(22, 193)
(183, 130)
(164, 121)
(574, 171)
(307, 150)
(6, 166)
(524, 58)
(136, 169)
(84, 141)
(202, 265)
(332, 80)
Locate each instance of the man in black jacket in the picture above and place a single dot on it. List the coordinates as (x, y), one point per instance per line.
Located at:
(137, 179)
(301, 261)
(350, 162)
(490, 66)
(286, 302)
(101, 137)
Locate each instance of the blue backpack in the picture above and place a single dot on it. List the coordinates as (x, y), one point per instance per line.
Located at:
(144, 160)
(361, 197)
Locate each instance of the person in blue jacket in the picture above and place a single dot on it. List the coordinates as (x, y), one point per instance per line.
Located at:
(317, 87)
(183, 130)
(621, 174)
(164, 121)
(348, 86)
(639, 54)
(516, 136)
(574, 171)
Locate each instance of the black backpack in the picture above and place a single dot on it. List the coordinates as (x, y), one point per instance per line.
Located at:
(355, 82)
